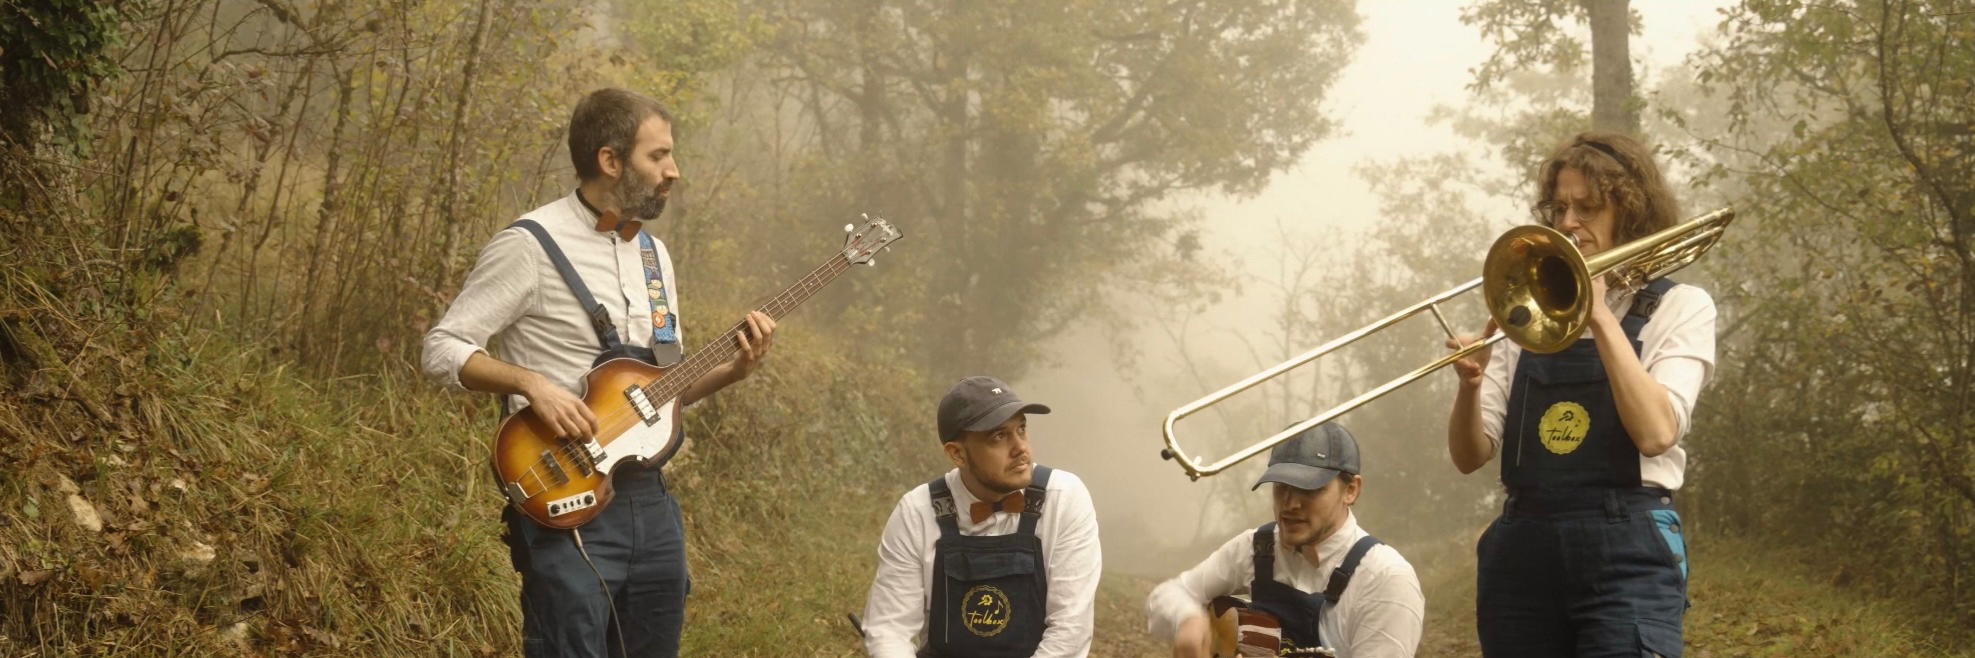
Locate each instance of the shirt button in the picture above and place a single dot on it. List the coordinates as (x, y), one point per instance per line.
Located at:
(1666, 500)
(1675, 528)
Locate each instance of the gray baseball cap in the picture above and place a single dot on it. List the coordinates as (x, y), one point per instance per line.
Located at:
(1312, 458)
(978, 404)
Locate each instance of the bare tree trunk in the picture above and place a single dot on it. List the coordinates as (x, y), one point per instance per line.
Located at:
(870, 109)
(1611, 67)
(326, 210)
(452, 198)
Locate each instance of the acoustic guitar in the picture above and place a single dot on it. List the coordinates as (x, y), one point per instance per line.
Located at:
(562, 483)
(1240, 630)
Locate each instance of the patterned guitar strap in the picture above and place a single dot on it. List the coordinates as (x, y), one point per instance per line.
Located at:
(664, 324)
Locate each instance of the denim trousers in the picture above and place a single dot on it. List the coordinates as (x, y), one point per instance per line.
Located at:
(638, 547)
(1586, 573)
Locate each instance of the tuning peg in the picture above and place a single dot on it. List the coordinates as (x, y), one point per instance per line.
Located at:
(848, 227)
(873, 262)
(888, 249)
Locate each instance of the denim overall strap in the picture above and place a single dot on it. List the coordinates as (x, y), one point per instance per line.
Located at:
(1300, 612)
(1341, 577)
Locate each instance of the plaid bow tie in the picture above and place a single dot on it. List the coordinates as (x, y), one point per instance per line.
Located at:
(982, 509)
(626, 229)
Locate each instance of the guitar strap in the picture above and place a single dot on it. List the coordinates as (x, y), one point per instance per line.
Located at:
(599, 318)
(664, 324)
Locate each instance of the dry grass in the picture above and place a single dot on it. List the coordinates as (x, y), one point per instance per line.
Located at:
(248, 511)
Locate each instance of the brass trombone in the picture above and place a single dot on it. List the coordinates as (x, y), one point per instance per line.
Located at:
(1537, 287)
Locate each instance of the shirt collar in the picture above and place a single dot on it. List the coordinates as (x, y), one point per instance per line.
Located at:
(594, 213)
(589, 217)
(963, 498)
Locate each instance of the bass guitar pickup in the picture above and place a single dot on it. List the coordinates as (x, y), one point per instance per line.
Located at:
(567, 504)
(641, 402)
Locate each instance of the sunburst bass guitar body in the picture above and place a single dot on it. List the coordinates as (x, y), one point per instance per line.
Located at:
(562, 483)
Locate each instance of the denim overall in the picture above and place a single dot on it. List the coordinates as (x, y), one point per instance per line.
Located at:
(1300, 613)
(990, 594)
(1585, 560)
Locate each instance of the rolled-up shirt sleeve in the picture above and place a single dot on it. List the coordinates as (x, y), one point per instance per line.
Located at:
(894, 611)
(1075, 562)
(1226, 571)
(500, 289)
(1494, 398)
(1683, 361)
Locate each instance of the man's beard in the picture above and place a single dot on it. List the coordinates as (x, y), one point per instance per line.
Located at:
(639, 198)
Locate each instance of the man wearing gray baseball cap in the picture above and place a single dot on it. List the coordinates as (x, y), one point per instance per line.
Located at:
(1313, 577)
(996, 558)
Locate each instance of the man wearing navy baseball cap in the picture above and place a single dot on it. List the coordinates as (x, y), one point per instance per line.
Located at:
(996, 558)
(1320, 578)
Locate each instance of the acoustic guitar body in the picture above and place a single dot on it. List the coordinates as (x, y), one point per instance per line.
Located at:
(563, 483)
(1241, 631)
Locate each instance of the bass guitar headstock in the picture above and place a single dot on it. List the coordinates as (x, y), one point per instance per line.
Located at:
(861, 247)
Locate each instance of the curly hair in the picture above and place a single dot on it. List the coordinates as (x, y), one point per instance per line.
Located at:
(1620, 172)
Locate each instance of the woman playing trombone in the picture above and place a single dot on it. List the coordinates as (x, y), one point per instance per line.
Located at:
(1587, 558)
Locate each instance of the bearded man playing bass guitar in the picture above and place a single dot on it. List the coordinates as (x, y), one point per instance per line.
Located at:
(1316, 580)
(550, 332)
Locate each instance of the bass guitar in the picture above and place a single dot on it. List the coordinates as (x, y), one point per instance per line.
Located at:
(562, 482)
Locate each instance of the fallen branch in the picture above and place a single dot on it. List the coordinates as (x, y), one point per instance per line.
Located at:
(22, 341)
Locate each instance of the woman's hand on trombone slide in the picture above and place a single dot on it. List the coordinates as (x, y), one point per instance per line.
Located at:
(1471, 367)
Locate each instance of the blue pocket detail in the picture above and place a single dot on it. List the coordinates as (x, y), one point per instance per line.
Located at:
(1668, 523)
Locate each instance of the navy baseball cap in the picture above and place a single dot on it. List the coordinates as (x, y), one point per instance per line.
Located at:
(1312, 458)
(978, 404)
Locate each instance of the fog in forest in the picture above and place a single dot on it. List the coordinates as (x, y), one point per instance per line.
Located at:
(229, 225)
(1109, 410)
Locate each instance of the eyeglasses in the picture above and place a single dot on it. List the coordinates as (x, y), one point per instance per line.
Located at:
(1552, 213)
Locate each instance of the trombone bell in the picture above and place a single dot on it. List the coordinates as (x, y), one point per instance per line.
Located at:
(1535, 285)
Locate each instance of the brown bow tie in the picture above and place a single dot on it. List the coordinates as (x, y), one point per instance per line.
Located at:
(625, 228)
(982, 509)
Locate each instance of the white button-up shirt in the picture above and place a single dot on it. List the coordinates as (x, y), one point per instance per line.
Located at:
(895, 611)
(1676, 347)
(1380, 615)
(515, 296)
